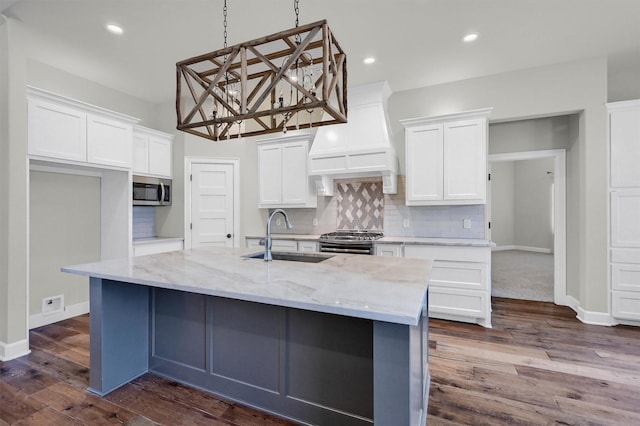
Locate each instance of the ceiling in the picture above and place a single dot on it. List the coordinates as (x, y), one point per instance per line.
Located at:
(416, 42)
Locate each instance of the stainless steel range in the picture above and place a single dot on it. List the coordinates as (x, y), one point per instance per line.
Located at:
(357, 242)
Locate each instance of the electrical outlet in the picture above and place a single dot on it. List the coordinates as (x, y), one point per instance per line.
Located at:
(315, 221)
(405, 223)
(466, 223)
(52, 305)
(279, 221)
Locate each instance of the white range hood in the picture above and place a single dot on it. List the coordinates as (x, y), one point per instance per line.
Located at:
(361, 148)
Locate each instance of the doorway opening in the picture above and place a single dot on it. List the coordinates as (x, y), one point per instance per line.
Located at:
(528, 224)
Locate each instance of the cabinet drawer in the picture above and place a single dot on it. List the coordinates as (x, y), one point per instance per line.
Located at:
(457, 254)
(310, 246)
(287, 245)
(625, 277)
(153, 248)
(625, 305)
(391, 250)
(463, 303)
(464, 275)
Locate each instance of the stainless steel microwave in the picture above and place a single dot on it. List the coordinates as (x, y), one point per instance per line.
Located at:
(149, 191)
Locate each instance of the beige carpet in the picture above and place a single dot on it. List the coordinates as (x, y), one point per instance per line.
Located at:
(518, 274)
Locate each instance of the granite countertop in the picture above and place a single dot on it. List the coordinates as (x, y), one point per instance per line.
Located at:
(154, 240)
(383, 289)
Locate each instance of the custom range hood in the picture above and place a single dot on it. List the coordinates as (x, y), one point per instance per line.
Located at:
(362, 147)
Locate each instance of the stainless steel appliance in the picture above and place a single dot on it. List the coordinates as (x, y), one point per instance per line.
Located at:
(357, 242)
(149, 191)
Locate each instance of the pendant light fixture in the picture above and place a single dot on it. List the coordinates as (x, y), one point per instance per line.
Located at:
(292, 79)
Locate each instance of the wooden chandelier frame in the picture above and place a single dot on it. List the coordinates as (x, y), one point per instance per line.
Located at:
(251, 65)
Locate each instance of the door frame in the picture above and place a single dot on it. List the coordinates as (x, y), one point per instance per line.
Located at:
(188, 162)
(560, 296)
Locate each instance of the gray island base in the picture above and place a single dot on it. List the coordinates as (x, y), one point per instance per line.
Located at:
(344, 341)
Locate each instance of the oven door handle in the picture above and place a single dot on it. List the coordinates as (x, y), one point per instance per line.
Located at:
(345, 250)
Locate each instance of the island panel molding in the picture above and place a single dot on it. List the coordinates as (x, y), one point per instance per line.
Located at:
(280, 336)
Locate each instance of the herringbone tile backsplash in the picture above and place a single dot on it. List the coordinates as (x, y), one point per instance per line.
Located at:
(360, 205)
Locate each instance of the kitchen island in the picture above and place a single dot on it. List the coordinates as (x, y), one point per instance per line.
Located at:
(342, 341)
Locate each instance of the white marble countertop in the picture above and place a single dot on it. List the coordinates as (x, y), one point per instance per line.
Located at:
(463, 242)
(466, 242)
(295, 237)
(371, 287)
(154, 240)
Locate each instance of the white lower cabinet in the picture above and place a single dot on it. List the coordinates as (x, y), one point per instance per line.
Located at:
(284, 245)
(460, 281)
(310, 246)
(626, 305)
(390, 250)
(142, 249)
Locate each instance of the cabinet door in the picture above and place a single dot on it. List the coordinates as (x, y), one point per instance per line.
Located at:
(308, 246)
(140, 153)
(465, 160)
(109, 141)
(270, 174)
(160, 156)
(286, 245)
(625, 220)
(390, 250)
(295, 184)
(624, 139)
(57, 131)
(424, 147)
(253, 242)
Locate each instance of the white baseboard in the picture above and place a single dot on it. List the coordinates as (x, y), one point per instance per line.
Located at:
(523, 248)
(589, 317)
(70, 311)
(9, 351)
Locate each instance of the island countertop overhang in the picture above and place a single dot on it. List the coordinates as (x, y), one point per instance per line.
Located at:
(371, 287)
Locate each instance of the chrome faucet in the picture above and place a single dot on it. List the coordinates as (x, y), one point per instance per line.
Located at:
(267, 240)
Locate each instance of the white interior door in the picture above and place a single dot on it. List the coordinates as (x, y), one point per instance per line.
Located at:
(212, 204)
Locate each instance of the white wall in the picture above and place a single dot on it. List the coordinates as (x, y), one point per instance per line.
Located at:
(26, 57)
(575, 87)
(64, 230)
(533, 204)
(502, 204)
(4, 178)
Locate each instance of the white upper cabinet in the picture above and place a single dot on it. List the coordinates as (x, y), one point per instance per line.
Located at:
(624, 144)
(108, 141)
(283, 167)
(57, 131)
(446, 159)
(63, 129)
(152, 152)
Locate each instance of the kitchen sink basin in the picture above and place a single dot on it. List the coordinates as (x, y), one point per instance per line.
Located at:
(292, 256)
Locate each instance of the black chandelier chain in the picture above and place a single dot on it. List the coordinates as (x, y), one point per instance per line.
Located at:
(296, 9)
(224, 13)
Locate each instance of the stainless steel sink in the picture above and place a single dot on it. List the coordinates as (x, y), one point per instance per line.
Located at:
(292, 256)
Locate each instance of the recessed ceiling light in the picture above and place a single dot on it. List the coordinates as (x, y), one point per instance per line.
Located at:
(369, 60)
(470, 37)
(114, 29)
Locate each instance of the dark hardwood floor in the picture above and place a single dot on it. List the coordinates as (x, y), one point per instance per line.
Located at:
(538, 365)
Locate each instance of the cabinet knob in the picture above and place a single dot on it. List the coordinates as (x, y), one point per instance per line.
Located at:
(228, 235)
